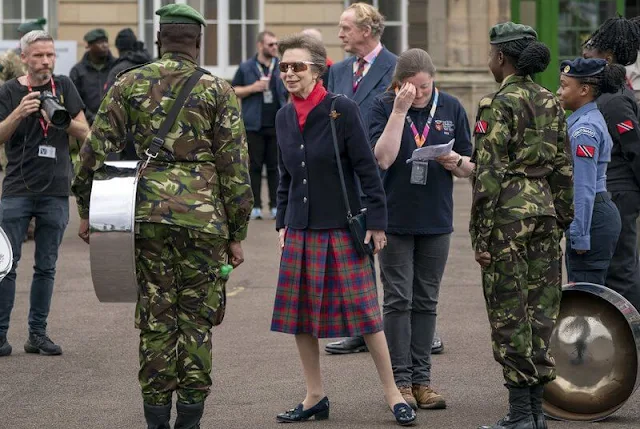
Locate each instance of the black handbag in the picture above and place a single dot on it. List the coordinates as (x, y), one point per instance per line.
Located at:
(358, 223)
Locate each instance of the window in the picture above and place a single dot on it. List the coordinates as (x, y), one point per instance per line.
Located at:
(15, 12)
(395, 37)
(229, 37)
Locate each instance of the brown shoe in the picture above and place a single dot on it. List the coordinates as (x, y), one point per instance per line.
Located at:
(428, 399)
(407, 395)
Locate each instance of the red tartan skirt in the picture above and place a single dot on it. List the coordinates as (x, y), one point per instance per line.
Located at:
(324, 287)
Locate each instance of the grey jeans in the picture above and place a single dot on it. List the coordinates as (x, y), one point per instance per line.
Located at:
(411, 268)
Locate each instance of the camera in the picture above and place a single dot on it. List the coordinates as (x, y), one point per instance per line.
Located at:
(58, 115)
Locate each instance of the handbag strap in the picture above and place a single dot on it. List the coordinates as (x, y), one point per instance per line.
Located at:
(333, 115)
(158, 140)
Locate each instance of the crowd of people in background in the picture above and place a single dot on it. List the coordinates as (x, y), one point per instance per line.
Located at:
(334, 139)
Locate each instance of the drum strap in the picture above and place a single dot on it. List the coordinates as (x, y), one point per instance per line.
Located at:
(158, 141)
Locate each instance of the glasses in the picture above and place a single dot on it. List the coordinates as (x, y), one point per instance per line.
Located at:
(297, 67)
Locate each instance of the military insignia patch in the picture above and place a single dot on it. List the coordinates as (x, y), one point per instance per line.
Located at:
(584, 151)
(567, 69)
(624, 127)
(481, 127)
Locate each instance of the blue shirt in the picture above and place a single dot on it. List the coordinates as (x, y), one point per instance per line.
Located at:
(591, 149)
(421, 209)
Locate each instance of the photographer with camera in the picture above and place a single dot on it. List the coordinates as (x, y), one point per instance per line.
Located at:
(38, 113)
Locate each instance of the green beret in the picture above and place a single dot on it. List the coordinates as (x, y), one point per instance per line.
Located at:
(180, 14)
(28, 26)
(509, 31)
(95, 35)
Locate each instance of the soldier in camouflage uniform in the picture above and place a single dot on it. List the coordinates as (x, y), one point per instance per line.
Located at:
(522, 201)
(193, 208)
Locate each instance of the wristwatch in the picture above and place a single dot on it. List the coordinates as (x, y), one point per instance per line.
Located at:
(459, 162)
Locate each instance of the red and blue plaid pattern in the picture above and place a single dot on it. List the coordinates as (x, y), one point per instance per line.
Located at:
(324, 287)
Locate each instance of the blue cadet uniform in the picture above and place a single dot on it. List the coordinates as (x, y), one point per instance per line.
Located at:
(596, 223)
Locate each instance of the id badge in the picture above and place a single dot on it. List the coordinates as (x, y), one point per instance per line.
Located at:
(419, 172)
(267, 97)
(45, 151)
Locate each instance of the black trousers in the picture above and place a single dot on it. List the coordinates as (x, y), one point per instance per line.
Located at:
(263, 149)
(592, 266)
(624, 270)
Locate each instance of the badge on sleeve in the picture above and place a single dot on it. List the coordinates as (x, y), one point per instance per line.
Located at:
(584, 151)
(481, 127)
(624, 127)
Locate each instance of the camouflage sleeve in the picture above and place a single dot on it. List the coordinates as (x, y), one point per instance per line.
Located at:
(493, 132)
(561, 179)
(232, 164)
(107, 135)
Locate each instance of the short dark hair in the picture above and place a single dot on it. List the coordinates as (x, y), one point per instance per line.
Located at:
(312, 45)
(264, 33)
(179, 34)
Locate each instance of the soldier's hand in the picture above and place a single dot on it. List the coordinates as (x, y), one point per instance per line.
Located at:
(29, 104)
(483, 258)
(236, 255)
(404, 98)
(83, 230)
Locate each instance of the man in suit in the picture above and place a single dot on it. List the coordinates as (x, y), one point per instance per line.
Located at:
(361, 77)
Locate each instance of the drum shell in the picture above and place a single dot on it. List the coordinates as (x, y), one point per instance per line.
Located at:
(112, 228)
(596, 347)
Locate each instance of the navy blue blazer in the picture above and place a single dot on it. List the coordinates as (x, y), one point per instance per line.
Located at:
(247, 74)
(309, 192)
(376, 81)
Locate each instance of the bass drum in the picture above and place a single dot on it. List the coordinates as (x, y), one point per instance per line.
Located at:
(596, 346)
(6, 254)
(112, 229)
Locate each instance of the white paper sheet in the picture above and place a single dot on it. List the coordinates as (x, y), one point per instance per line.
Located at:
(427, 153)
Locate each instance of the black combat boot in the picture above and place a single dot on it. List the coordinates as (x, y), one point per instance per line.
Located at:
(189, 415)
(536, 406)
(519, 416)
(157, 416)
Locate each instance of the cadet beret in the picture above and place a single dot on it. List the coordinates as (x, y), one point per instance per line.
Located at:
(509, 31)
(180, 14)
(26, 27)
(95, 35)
(582, 67)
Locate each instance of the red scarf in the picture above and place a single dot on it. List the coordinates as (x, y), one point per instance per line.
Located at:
(304, 106)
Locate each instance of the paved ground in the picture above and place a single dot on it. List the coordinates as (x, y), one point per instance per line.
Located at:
(257, 373)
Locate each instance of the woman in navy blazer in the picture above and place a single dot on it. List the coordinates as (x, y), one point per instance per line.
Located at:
(325, 288)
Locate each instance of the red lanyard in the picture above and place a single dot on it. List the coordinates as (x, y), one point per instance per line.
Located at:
(43, 124)
(421, 139)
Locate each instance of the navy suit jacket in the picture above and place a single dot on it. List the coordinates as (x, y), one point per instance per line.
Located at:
(309, 192)
(375, 82)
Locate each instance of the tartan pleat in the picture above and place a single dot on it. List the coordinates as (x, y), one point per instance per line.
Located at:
(324, 287)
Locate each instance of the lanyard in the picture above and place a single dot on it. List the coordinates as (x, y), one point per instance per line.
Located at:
(271, 67)
(421, 139)
(43, 124)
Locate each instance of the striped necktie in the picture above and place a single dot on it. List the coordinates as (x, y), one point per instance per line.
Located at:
(359, 74)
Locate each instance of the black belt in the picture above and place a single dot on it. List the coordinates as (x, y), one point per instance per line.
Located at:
(601, 197)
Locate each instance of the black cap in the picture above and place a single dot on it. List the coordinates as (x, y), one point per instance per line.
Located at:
(582, 67)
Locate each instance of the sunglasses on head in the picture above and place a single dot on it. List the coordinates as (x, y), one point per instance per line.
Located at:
(297, 66)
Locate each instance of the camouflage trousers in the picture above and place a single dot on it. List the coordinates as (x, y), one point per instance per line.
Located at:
(180, 291)
(522, 289)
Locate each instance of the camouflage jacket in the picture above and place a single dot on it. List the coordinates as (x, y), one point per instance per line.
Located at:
(523, 159)
(12, 66)
(200, 179)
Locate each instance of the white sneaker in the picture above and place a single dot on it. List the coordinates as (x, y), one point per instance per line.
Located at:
(274, 213)
(256, 213)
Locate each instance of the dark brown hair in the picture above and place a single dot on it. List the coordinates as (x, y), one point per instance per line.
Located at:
(313, 46)
(410, 63)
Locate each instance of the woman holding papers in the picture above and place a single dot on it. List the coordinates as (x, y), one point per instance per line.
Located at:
(413, 114)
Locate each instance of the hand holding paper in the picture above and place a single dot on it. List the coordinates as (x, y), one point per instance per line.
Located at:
(427, 153)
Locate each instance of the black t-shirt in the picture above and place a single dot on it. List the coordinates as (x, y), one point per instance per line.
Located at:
(269, 110)
(27, 172)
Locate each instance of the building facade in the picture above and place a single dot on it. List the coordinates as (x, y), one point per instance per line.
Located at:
(454, 32)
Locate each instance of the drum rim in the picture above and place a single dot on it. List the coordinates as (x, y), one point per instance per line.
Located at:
(632, 319)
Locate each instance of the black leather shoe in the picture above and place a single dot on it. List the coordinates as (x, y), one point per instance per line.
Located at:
(5, 347)
(506, 423)
(42, 344)
(437, 346)
(319, 411)
(346, 346)
(189, 415)
(157, 416)
(404, 414)
(540, 421)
